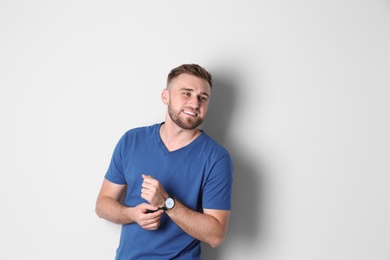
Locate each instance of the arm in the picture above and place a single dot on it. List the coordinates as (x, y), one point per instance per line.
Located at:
(209, 227)
(108, 206)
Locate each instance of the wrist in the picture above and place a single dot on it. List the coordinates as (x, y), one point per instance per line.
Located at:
(128, 212)
(164, 198)
(169, 203)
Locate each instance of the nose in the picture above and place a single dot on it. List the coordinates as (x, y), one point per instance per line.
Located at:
(195, 101)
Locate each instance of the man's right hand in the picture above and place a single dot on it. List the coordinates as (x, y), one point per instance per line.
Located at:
(147, 216)
(108, 206)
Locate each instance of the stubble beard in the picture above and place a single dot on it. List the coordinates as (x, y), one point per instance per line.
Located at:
(185, 123)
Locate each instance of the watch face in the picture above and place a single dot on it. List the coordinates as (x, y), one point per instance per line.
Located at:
(169, 203)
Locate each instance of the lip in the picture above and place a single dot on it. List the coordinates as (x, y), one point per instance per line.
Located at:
(189, 112)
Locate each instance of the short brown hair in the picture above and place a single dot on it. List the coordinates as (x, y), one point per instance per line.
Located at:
(192, 69)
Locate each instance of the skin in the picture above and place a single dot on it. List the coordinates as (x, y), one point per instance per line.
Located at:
(187, 99)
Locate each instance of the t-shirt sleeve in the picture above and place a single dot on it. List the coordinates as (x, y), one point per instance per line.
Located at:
(115, 170)
(217, 193)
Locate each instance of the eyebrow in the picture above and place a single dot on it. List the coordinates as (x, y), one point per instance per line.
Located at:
(191, 90)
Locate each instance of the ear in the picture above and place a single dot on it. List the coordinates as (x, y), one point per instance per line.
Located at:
(165, 96)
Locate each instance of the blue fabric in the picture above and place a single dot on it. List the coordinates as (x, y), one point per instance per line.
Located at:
(199, 175)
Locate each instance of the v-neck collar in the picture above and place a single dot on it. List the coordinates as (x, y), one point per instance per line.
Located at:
(164, 149)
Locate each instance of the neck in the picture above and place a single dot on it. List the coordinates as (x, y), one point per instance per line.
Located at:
(175, 137)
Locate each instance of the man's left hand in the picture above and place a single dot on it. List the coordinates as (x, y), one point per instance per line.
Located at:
(153, 191)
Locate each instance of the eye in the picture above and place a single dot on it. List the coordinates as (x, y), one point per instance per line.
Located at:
(203, 98)
(187, 94)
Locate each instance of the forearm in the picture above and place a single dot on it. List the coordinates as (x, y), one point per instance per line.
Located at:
(112, 210)
(202, 226)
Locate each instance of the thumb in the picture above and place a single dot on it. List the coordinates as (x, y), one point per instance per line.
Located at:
(149, 207)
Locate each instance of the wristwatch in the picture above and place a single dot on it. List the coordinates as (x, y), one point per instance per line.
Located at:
(169, 203)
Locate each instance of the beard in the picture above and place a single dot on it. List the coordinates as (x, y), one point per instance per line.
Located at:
(185, 123)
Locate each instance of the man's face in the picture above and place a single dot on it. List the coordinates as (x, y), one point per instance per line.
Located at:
(188, 100)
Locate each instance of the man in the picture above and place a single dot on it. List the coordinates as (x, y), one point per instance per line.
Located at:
(177, 181)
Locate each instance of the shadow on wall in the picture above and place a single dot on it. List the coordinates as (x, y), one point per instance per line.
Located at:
(244, 221)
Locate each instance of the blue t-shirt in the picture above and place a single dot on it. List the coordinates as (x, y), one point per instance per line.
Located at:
(199, 175)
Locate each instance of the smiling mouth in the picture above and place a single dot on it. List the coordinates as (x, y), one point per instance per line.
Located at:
(190, 113)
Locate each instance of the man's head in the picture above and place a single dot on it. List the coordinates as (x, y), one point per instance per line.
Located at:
(191, 69)
(187, 95)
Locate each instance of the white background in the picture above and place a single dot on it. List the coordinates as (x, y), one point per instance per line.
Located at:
(301, 100)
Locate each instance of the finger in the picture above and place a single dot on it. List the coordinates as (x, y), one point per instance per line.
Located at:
(144, 197)
(150, 207)
(146, 184)
(150, 223)
(152, 226)
(146, 176)
(145, 191)
(156, 214)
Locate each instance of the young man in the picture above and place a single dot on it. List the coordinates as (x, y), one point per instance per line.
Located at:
(177, 181)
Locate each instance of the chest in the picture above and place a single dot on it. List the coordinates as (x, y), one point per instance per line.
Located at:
(182, 174)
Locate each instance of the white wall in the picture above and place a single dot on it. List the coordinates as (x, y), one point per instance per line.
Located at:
(301, 100)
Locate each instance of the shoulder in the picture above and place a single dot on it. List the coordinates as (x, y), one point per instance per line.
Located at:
(213, 149)
(141, 131)
(212, 144)
(138, 135)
